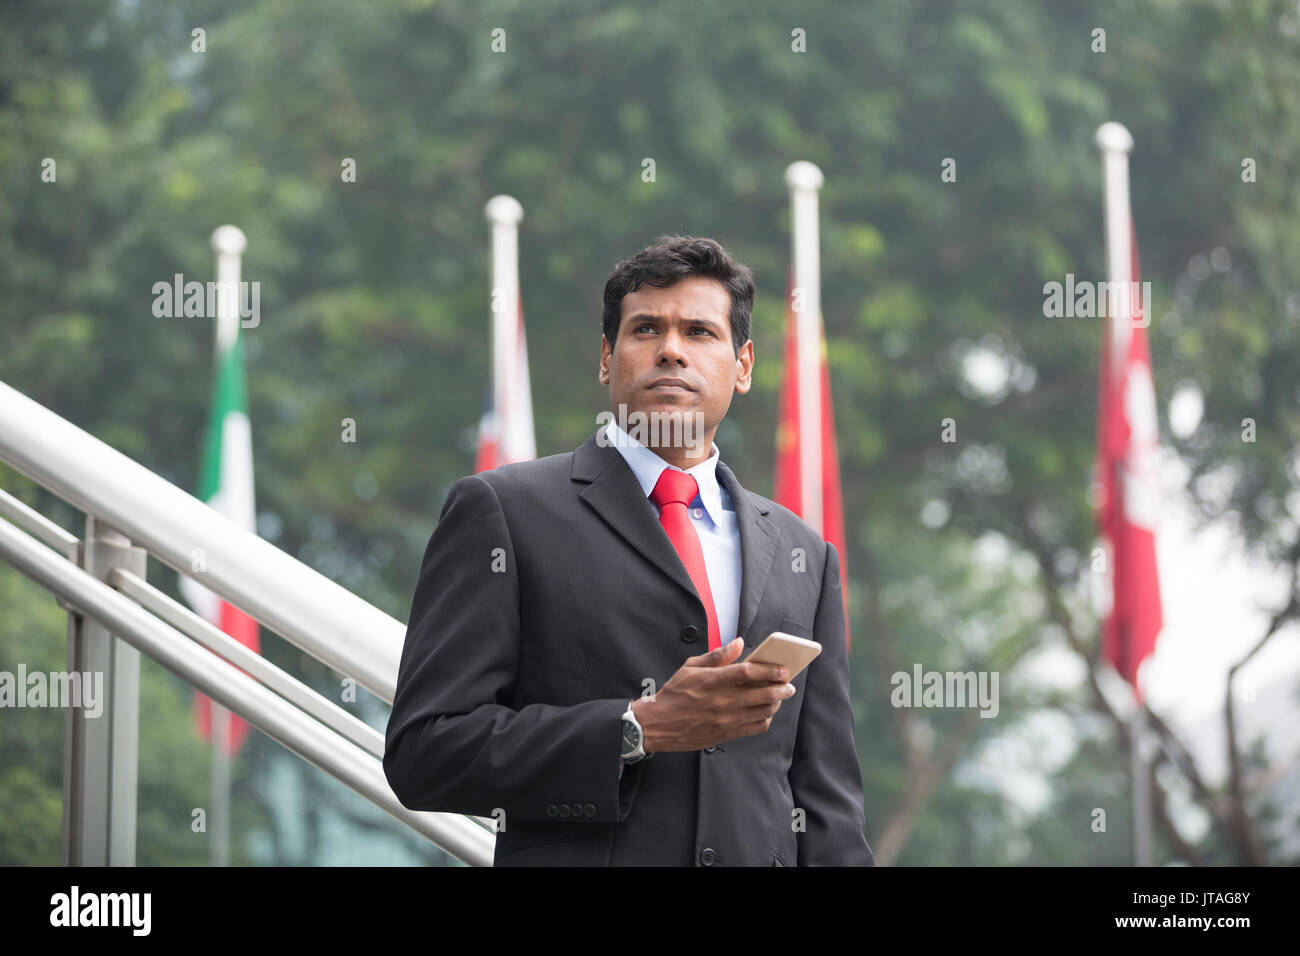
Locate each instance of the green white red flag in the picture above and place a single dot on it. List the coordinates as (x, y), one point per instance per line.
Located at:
(226, 484)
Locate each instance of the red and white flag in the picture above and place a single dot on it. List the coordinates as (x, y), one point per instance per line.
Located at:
(1128, 482)
(505, 431)
(787, 485)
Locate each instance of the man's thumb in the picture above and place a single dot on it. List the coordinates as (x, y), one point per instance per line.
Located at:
(719, 656)
(727, 652)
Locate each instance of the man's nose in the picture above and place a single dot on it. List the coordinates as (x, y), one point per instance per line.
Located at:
(671, 347)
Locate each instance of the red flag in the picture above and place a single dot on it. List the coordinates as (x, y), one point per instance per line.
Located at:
(787, 488)
(1129, 487)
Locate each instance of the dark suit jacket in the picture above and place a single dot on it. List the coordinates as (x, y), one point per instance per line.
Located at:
(548, 593)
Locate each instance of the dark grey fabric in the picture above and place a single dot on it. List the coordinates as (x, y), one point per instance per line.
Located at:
(548, 595)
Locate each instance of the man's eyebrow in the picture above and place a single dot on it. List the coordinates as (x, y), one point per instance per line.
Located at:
(647, 317)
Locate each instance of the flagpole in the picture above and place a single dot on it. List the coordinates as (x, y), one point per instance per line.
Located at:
(219, 845)
(804, 180)
(1115, 143)
(1141, 786)
(504, 214)
(228, 243)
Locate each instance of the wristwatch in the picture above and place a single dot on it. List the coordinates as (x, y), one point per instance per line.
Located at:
(633, 738)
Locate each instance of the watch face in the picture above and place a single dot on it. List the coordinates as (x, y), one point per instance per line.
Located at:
(631, 736)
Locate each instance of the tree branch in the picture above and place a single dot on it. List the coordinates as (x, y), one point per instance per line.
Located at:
(1242, 825)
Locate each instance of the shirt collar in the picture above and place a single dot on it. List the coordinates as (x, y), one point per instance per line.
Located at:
(648, 466)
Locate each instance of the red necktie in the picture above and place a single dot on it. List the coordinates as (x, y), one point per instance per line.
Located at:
(672, 493)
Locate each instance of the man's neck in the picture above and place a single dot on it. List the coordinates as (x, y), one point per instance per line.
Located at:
(681, 457)
(684, 454)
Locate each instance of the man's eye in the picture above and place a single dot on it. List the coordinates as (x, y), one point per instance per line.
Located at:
(698, 328)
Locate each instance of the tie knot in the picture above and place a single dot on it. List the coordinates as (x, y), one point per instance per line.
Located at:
(674, 486)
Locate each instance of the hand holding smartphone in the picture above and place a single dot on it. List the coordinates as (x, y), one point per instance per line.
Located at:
(792, 653)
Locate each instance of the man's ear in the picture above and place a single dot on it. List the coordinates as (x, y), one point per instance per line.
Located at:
(745, 373)
(603, 375)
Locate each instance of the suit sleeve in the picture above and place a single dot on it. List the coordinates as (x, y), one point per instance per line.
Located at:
(452, 743)
(825, 777)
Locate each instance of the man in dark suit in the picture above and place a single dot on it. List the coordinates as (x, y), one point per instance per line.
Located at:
(557, 674)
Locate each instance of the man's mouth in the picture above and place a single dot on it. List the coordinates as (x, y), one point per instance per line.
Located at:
(670, 385)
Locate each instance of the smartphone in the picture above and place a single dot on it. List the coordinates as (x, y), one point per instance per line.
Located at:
(793, 653)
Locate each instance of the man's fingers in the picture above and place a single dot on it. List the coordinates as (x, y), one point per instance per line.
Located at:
(754, 673)
(757, 727)
(766, 694)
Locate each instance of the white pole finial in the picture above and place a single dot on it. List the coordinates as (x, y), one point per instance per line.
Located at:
(1114, 138)
(804, 175)
(504, 210)
(229, 240)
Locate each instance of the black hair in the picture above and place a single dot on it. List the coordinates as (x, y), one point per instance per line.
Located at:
(670, 259)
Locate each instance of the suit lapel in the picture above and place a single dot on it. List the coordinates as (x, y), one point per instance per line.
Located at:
(613, 492)
(616, 495)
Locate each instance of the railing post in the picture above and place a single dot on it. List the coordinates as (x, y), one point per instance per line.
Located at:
(101, 754)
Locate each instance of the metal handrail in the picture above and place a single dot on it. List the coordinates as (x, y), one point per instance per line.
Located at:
(309, 610)
(57, 537)
(247, 660)
(228, 686)
(287, 686)
(318, 616)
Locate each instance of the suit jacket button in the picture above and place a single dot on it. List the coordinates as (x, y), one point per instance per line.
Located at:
(564, 810)
(707, 856)
(689, 633)
(552, 809)
(589, 809)
(709, 749)
(577, 809)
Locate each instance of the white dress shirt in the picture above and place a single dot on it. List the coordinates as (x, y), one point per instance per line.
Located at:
(712, 514)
